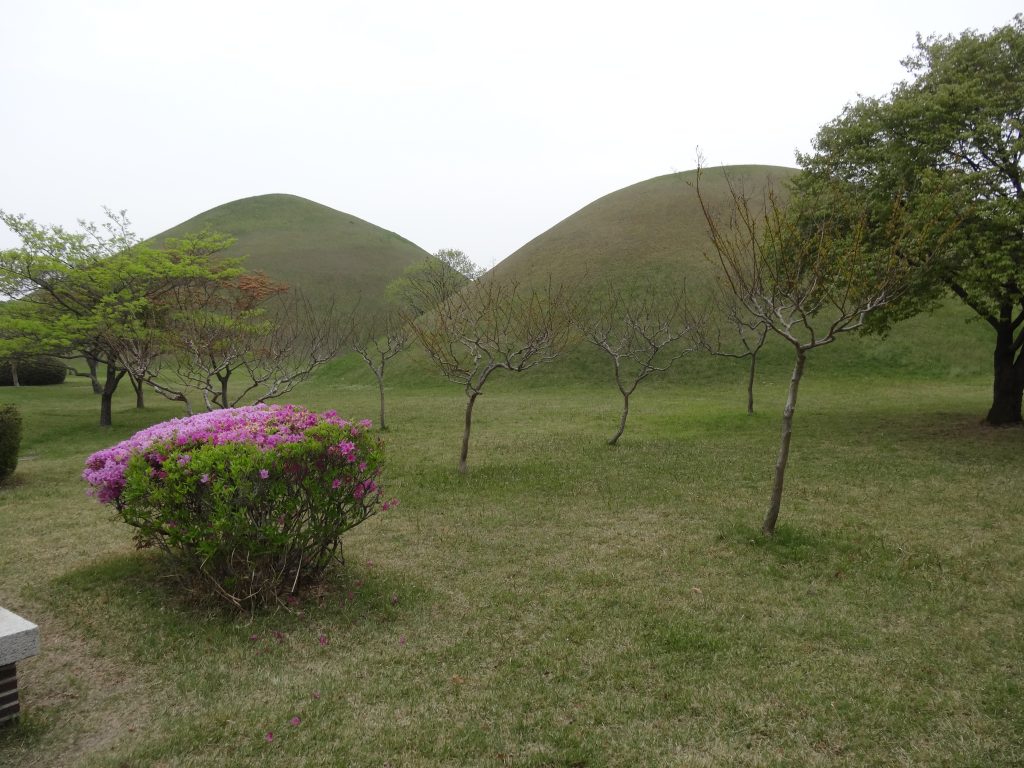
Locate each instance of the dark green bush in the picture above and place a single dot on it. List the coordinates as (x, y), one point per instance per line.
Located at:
(34, 371)
(10, 440)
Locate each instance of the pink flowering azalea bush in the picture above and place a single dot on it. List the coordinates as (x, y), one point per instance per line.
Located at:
(254, 500)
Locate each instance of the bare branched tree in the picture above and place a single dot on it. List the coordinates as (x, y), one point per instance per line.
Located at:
(141, 344)
(377, 338)
(243, 339)
(641, 329)
(490, 326)
(301, 339)
(751, 332)
(807, 277)
(269, 350)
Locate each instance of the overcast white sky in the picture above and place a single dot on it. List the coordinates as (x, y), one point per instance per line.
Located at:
(472, 125)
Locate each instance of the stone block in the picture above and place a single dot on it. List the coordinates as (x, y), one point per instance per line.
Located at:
(19, 638)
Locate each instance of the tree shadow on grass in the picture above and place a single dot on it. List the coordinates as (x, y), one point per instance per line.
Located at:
(929, 428)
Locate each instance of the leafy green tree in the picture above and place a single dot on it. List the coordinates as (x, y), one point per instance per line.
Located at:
(946, 145)
(427, 283)
(94, 291)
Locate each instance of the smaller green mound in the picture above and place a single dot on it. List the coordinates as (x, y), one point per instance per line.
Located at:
(325, 253)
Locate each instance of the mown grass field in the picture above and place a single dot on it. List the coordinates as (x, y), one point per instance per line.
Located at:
(565, 603)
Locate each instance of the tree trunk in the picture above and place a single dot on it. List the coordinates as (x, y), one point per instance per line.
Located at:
(750, 384)
(14, 374)
(465, 434)
(768, 528)
(223, 390)
(622, 421)
(140, 400)
(107, 395)
(106, 409)
(94, 377)
(380, 388)
(1008, 383)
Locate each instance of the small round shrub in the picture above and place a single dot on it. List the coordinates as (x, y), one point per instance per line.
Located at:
(10, 440)
(253, 500)
(34, 371)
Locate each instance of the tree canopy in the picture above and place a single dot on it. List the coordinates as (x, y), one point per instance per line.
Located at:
(427, 283)
(96, 291)
(946, 145)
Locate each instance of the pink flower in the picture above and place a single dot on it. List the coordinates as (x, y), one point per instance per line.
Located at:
(184, 459)
(401, 640)
(269, 736)
(336, 484)
(295, 720)
(204, 478)
(324, 640)
(264, 473)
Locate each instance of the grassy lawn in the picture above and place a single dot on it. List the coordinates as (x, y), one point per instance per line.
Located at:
(565, 603)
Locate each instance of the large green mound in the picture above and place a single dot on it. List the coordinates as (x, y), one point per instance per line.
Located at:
(654, 229)
(323, 252)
